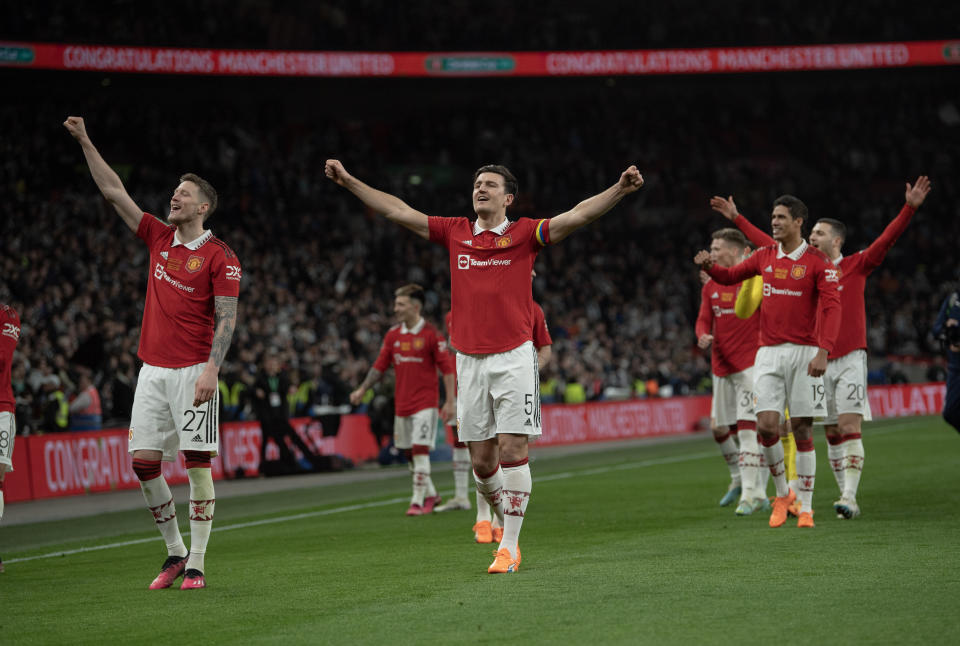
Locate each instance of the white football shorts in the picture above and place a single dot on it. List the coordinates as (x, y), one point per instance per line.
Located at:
(164, 417)
(498, 393)
(780, 380)
(733, 398)
(845, 383)
(8, 431)
(419, 428)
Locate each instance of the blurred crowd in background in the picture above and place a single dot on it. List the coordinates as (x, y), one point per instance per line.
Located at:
(620, 297)
(373, 25)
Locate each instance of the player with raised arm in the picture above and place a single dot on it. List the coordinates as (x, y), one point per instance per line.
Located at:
(845, 381)
(9, 337)
(846, 377)
(491, 259)
(416, 351)
(193, 282)
(734, 342)
(799, 323)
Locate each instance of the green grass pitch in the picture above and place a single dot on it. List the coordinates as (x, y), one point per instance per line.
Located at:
(623, 546)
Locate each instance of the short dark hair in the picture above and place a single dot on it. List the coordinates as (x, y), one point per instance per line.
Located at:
(839, 228)
(412, 291)
(510, 184)
(794, 204)
(733, 236)
(206, 189)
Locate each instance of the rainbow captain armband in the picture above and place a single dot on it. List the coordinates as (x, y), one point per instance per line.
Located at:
(749, 297)
(542, 232)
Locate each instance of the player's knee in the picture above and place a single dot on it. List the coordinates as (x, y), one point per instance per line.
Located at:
(146, 469)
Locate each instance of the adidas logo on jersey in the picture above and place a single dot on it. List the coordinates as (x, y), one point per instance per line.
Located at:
(769, 268)
(197, 438)
(715, 295)
(528, 422)
(164, 254)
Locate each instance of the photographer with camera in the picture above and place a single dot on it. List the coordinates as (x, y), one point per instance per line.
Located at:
(947, 329)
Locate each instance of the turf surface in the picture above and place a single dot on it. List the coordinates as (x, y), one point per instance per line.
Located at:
(619, 546)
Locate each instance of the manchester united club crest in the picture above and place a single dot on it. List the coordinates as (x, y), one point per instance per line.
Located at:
(404, 347)
(503, 241)
(418, 344)
(194, 263)
(798, 271)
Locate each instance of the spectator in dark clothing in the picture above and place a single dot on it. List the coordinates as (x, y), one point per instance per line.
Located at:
(269, 400)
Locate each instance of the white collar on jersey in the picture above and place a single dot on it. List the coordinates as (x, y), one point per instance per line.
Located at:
(415, 329)
(499, 229)
(795, 254)
(836, 263)
(193, 245)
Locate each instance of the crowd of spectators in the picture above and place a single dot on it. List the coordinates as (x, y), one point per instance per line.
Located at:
(319, 272)
(374, 25)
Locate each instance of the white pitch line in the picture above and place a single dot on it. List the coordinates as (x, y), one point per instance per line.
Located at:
(382, 503)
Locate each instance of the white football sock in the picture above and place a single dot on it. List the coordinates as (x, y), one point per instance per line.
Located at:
(491, 488)
(806, 476)
(160, 501)
(421, 478)
(731, 454)
(483, 508)
(517, 484)
(202, 500)
(749, 463)
(774, 457)
(763, 477)
(852, 467)
(835, 455)
(461, 472)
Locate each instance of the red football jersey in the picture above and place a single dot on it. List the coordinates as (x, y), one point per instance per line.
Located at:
(415, 355)
(541, 333)
(490, 281)
(853, 278)
(801, 303)
(182, 282)
(735, 340)
(9, 336)
(853, 281)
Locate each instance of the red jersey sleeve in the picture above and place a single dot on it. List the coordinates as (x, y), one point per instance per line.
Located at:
(225, 273)
(876, 252)
(442, 357)
(152, 230)
(439, 228)
(754, 234)
(828, 305)
(541, 333)
(385, 358)
(705, 317)
(9, 333)
(737, 273)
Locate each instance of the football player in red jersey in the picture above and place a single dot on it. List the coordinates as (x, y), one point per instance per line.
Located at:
(9, 337)
(416, 351)
(734, 342)
(799, 323)
(845, 381)
(491, 260)
(188, 320)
